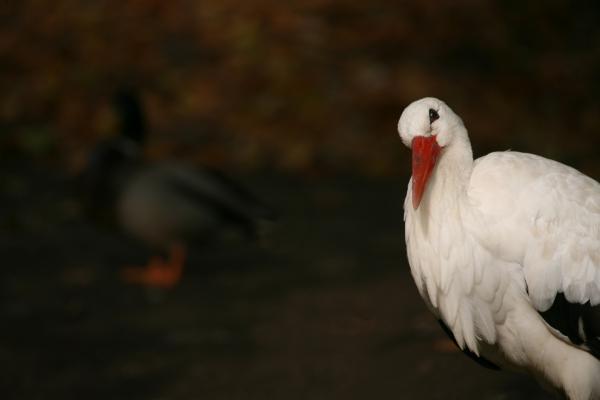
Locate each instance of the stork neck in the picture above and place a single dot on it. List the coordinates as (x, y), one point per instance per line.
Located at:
(456, 162)
(449, 181)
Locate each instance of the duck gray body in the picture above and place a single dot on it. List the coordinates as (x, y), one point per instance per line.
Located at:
(165, 203)
(162, 203)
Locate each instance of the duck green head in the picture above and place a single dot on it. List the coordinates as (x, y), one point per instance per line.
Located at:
(132, 121)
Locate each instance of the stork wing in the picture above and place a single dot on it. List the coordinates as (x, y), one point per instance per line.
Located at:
(546, 217)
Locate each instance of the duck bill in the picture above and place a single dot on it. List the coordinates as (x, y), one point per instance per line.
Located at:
(425, 152)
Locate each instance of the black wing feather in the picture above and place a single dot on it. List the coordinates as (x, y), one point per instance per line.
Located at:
(484, 362)
(579, 322)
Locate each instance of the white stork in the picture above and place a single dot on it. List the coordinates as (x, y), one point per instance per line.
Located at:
(505, 251)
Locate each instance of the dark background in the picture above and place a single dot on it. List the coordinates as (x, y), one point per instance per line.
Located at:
(299, 100)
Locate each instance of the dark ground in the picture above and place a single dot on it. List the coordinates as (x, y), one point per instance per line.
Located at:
(323, 308)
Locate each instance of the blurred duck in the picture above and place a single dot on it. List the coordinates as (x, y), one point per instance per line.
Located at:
(164, 204)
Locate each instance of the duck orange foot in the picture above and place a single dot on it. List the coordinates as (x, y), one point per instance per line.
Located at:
(159, 273)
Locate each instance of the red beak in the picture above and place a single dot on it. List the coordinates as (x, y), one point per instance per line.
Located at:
(425, 152)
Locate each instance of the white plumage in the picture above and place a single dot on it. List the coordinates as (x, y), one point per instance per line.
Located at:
(493, 242)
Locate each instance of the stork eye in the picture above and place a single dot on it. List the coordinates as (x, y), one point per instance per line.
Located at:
(433, 115)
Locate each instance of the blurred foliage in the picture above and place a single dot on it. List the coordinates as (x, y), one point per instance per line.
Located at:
(308, 86)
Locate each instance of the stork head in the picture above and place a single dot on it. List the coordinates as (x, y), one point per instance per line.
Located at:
(427, 126)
